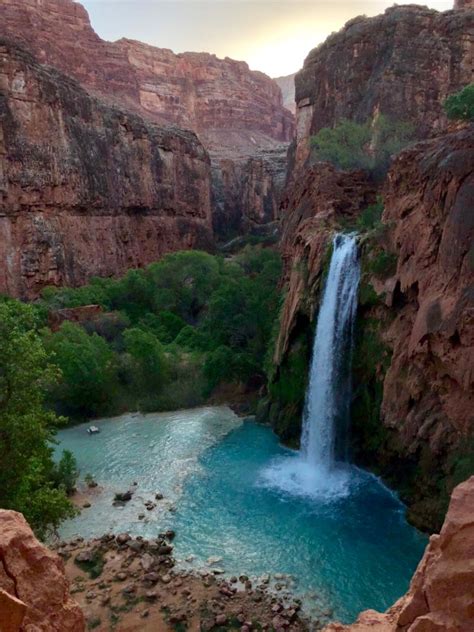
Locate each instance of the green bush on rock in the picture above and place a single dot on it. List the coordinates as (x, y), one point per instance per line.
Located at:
(460, 106)
(368, 146)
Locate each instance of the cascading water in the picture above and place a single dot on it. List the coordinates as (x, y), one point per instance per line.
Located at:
(326, 416)
(319, 469)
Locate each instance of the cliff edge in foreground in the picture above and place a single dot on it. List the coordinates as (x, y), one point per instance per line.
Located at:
(34, 591)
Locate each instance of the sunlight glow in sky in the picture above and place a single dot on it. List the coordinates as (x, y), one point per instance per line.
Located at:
(271, 35)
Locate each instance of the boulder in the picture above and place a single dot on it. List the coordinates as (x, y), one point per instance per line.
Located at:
(33, 575)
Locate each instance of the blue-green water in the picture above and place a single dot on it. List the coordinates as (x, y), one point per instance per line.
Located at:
(224, 497)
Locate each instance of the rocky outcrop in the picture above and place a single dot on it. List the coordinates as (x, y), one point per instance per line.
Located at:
(463, 4)
(287, 87)
(86, 189)
(413, 381)
(34, 590)
(237, 113)
(403, 64)
(440, 594)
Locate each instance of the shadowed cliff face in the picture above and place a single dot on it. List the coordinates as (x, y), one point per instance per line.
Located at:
(403, 64)
(212, 96)
(428, 401)
(86, 189)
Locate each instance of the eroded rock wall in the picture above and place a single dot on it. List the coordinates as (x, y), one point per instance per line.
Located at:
(33, 578)
(247, 191)
(403, 64)
(87, 189)
(428, 396)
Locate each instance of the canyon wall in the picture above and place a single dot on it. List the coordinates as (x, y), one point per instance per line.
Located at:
(87, 189)
(214, 97)
(287, 87)
(247, 192)
(237, 113)
(34, 591)
(413, 380)
(440, 595)
(403, 64)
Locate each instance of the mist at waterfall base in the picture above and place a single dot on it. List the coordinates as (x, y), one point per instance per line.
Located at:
(232, 491)
(321, 469)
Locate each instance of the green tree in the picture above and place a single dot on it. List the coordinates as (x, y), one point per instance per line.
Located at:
(183, 283)
(89, 371)
(368, 146)
(27, 482)
(149, 370)
(460, 106)
(65, 472)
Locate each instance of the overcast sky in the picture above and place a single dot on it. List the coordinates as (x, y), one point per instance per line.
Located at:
(272, 36)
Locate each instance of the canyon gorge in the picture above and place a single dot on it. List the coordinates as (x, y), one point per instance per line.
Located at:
(114, 155)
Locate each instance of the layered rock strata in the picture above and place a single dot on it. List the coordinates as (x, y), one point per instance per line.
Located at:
(440, 594)
(34, 591)
(247, 192)
(87, 189)
(236, 112)
(403, 64)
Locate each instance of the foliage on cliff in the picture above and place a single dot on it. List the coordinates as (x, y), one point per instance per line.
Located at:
(368, 146)
(30, 482)
(168, 335)
(460, 106)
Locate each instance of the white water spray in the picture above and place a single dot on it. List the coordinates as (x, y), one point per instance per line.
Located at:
(326, 416)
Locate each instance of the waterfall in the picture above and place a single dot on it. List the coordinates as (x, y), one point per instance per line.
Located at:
(318, 470)
(327, 408)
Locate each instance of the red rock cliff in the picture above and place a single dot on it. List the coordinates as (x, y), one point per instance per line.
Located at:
(237, 113)
(86, 189)
(440, 598)
(403, 63)
(214, 97)
(30, 574)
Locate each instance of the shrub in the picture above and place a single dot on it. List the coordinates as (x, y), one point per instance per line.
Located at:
(460, 106)
(368, 146)
(383, 265)
(65, 473)
(370, 217)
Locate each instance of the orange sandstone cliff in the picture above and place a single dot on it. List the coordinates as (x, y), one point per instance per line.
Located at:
(34, 591)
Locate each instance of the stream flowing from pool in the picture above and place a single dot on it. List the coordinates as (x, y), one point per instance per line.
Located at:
(345, 554)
